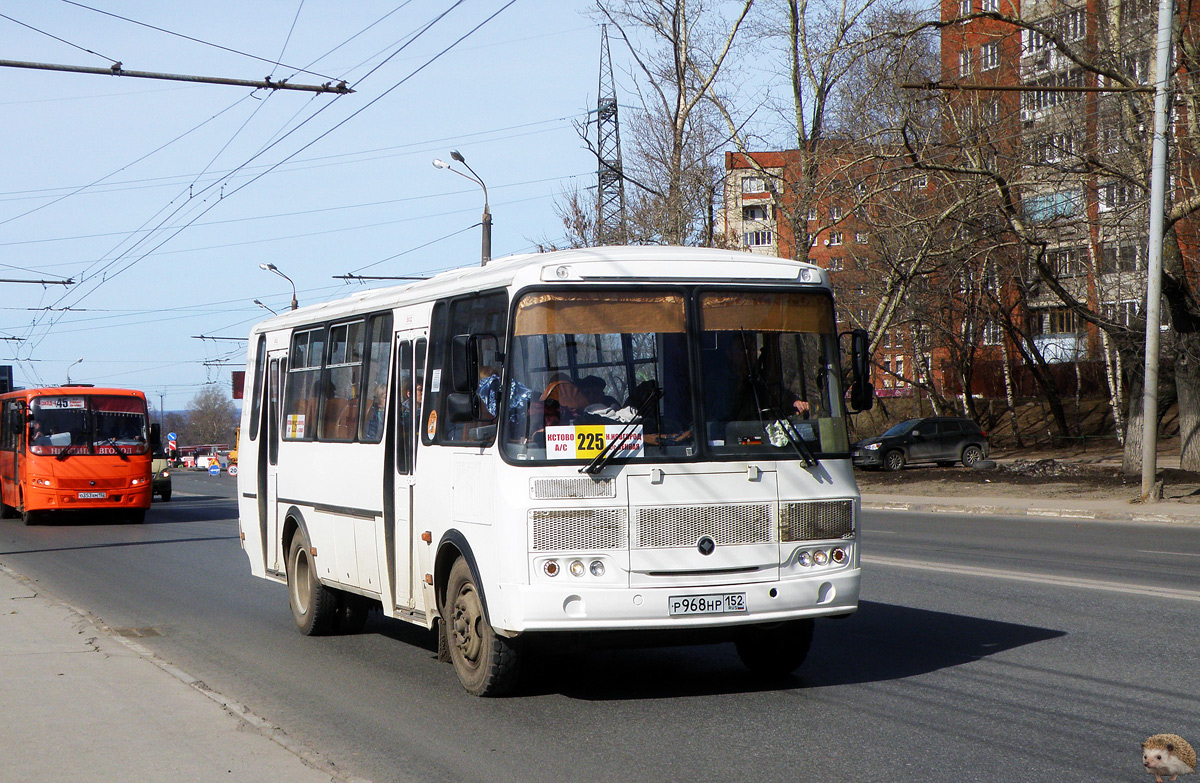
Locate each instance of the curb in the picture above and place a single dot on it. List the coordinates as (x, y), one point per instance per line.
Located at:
(1032, 511)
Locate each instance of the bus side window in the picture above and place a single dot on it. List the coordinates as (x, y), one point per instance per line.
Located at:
(256, 384)
(302, 390)
(341, 391)
(379, 353)
(481, 314)
(405, 382)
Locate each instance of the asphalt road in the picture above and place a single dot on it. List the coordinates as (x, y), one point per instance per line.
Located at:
(984, 649)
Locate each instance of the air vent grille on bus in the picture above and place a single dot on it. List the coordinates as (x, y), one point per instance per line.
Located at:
(563, 488)
(576, 529)
(669, 526)
(816, 521)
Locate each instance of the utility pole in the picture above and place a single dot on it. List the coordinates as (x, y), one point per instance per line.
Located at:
(610, 176)
(1158, 189)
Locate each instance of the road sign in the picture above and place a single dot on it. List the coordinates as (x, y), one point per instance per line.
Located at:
(231, 470)
(172, 436)
(214, 469)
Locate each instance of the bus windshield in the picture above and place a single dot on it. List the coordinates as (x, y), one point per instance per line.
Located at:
(596, 369)
(88, 424)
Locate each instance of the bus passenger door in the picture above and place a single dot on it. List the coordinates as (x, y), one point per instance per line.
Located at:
(277, 366)
(409, 386)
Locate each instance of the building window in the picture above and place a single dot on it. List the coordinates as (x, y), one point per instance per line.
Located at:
(836, 237)
(964, 7)
(1056, 320)
(921, 182)
(1121, 257)
(1074, 25)
(812, 213)
(993, 334)
(756, 212)
(837, 264)
(964, 62)
(835, 213)
(990, 6)
(989, 56)
(759, 238)
(1114, 195)
(754, 185)
(1125, 313)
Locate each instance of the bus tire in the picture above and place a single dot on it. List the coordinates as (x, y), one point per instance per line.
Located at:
(137, 516)
(314, 606)
(775, 650)
(30, 517)
(352, 611)
(486, 663)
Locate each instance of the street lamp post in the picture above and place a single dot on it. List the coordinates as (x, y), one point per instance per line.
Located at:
(263, 306)
(69, 366)
(487, 213)
(275, 269)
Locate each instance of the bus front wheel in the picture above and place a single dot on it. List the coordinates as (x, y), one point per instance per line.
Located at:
(314, 606)
(485, 662)
(775, 650)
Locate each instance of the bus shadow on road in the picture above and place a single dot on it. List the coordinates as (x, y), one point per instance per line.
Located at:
(880, 642)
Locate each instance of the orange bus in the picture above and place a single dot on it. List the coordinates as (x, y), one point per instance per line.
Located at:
(74, 448)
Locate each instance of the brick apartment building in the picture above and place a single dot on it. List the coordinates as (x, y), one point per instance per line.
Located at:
(1065, 153)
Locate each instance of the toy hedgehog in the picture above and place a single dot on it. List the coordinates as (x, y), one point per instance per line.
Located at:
(1168, 754)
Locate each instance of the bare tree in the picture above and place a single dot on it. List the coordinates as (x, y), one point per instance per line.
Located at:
(212, 417)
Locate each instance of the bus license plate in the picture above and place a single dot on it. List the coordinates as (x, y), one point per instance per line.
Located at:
(718, 603)
(92, 496)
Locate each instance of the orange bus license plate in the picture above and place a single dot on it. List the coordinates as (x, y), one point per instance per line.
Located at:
(92, 495)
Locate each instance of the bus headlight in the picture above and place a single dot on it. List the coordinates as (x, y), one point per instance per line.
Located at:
(577, 568)
(838, 555)
(597, 568)
(820, 557)
(804, 559)
(550, 567)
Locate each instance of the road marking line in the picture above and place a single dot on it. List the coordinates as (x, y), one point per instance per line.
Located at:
(1160, 552)
(1023, 576)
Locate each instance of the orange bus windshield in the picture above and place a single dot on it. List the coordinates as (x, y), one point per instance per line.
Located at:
(68, 424)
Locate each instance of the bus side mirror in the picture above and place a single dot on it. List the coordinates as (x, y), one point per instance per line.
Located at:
(462, 406)
(464, 363)
(862, 393)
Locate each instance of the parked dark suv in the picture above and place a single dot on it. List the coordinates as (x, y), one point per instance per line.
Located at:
(933, 439)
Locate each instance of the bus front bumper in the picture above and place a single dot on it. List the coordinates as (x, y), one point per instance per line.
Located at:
(578, 608)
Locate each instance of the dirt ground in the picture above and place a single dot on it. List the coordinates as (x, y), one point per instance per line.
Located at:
(1061, 474)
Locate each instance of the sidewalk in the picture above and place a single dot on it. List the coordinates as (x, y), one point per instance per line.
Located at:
(1111, 510)
(1115, 509)
(83, 704)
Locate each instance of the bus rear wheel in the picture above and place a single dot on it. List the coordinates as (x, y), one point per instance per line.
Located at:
(314, 606)
(486, 663)
(775, 650)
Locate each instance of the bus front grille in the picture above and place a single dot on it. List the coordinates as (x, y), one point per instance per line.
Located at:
(563, 488)
(97, 483)
(816, 521)
(675, 526)
(578, 529)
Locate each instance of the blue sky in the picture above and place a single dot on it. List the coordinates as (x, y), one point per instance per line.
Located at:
(161, 199)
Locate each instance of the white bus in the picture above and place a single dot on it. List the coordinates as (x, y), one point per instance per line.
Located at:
(635, 439)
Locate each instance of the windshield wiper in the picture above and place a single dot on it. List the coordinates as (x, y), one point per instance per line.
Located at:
(600, 460)
(113, 442)
(793, 436)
